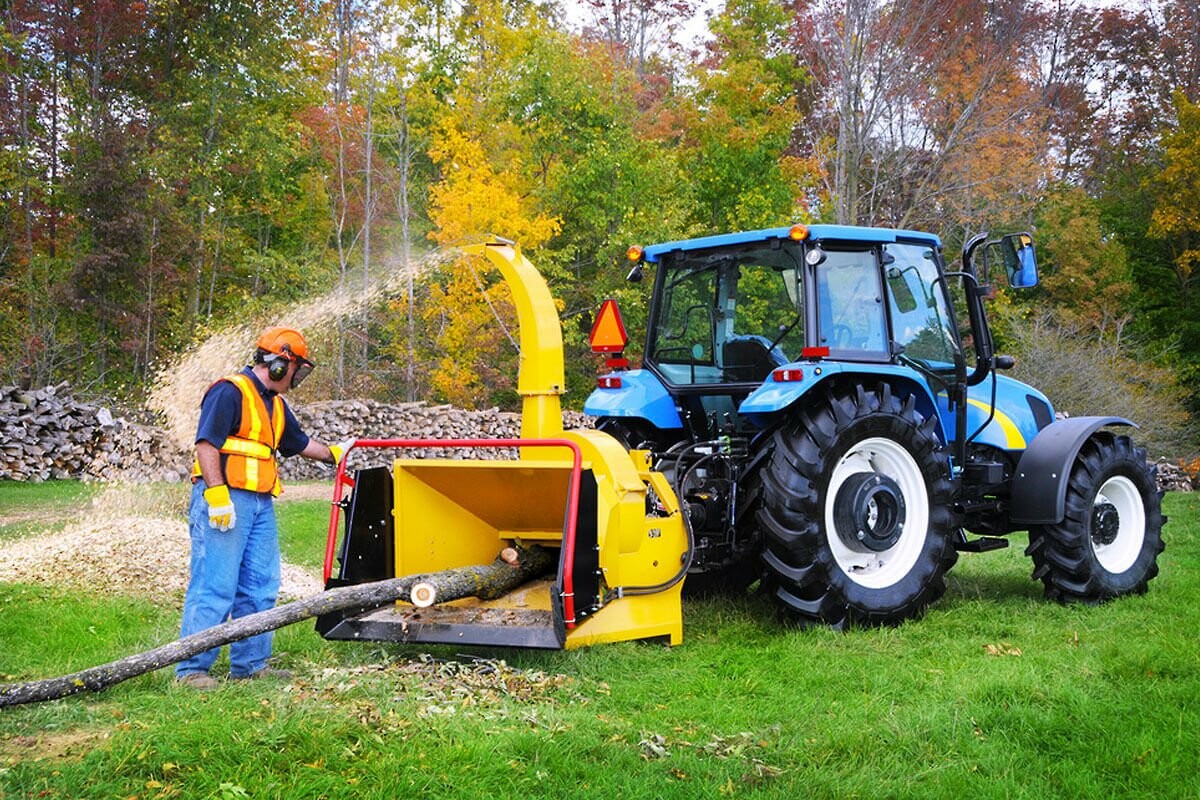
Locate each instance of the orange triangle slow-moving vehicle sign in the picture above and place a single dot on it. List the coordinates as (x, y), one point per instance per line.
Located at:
(608, 331)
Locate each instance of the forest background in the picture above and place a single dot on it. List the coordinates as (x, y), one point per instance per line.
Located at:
(170, 168)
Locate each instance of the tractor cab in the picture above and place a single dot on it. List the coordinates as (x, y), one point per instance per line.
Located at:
(733, 314)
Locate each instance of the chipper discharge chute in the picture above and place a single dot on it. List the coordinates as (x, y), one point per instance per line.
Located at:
(612, 525)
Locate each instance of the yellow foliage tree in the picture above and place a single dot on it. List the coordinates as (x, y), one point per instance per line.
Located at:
(474, 198)
(468, 305)
(1087, 274)
(1176, 216)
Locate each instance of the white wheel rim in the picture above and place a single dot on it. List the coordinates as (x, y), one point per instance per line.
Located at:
(879, 570)
(1119, 554)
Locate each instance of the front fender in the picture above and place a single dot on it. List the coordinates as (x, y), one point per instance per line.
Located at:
(641, 395)
(1039, 487)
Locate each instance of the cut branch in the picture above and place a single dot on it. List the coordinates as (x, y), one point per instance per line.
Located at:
(484, 581)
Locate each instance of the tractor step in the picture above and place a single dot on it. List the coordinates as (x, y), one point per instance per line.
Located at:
(981, 545)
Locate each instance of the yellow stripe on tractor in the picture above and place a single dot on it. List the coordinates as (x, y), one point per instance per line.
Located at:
(615, 523)
(1013, 440)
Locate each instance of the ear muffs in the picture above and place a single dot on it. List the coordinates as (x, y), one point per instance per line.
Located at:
(277, 366)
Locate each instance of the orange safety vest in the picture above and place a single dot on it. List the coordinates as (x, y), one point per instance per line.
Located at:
(250, 452)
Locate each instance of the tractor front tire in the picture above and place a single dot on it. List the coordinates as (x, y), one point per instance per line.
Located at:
(1108, 542)
(857, 511)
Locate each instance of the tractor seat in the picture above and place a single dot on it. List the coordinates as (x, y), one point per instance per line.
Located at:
(747, 360)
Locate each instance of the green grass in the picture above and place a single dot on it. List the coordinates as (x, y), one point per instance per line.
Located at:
(26, 507)
(995, 693)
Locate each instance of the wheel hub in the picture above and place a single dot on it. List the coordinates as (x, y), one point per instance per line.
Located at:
(1106, 523)
(869, 512)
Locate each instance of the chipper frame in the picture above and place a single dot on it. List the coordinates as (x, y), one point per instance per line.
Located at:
(622, 543)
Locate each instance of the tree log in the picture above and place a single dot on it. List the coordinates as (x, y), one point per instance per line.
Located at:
(484, 581)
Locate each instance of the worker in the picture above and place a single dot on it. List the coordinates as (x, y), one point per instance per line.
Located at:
(235, 563)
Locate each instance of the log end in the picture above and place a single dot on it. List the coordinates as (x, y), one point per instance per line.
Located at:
(423, 594)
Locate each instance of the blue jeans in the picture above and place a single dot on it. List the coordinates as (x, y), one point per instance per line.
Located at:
(233, 574)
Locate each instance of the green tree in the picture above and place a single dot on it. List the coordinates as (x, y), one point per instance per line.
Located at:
(1085, 271)
(741, 159)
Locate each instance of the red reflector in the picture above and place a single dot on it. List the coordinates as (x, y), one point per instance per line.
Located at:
(815, 352)
(609, 382)
(616, 363)
(785, 375)
(608, 331)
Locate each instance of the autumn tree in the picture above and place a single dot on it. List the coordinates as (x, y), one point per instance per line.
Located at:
(485, 188)
(1085, 272)
(636, 30)
(921, 109)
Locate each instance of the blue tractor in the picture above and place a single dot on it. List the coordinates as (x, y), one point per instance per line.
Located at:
(834, 433)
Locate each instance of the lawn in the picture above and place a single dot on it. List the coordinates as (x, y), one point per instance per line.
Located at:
(995, 693)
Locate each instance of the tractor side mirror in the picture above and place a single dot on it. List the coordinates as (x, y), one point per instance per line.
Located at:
(1019, 260)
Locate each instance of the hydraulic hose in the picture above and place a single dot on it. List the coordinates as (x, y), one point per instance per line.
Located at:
(678, 485)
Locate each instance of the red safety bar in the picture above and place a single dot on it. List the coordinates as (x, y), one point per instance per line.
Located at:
(568, 580)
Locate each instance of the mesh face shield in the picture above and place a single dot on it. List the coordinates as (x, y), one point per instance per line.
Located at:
(304, 368)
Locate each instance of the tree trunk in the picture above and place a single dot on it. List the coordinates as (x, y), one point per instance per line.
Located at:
(485, 581)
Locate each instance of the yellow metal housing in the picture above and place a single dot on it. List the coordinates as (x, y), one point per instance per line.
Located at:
(456, 513)
(619, 580)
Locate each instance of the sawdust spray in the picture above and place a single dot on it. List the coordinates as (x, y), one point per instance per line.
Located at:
(179, 385)
(133, 542)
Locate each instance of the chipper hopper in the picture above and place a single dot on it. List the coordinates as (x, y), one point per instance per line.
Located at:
(618, 543)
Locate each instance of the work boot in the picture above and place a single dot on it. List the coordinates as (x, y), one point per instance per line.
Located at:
(200, 681)
(266, 672)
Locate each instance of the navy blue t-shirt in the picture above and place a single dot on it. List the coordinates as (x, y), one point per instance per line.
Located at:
(221, 416)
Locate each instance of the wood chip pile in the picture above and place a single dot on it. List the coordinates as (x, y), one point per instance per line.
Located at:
(125, 542)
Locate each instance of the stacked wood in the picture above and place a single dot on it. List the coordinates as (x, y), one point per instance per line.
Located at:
(335, 421)
(1173, 478)
(48, 434)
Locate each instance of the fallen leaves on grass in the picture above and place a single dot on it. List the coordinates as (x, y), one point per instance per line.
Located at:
(442, 687)
(1002, 649)
(743, 747)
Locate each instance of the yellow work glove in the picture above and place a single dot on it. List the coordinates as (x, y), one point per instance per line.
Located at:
(339, 450)
(221, 514)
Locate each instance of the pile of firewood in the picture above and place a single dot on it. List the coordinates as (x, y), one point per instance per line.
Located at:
(1173, 478)
(49, 434)
(336, 420)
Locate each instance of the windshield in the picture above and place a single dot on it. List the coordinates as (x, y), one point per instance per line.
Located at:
(728, 315)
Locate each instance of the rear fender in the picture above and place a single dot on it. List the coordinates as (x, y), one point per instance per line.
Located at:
(775, 396)
(641, 395)
(1039, 488)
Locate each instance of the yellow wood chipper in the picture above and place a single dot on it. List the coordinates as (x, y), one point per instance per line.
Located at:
(616, 525)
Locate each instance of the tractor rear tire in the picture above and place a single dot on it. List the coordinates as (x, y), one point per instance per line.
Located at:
(857, 511)
(1108, 542)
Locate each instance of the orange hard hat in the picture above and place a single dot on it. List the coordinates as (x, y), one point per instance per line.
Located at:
(278, 347)
(283, 341)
